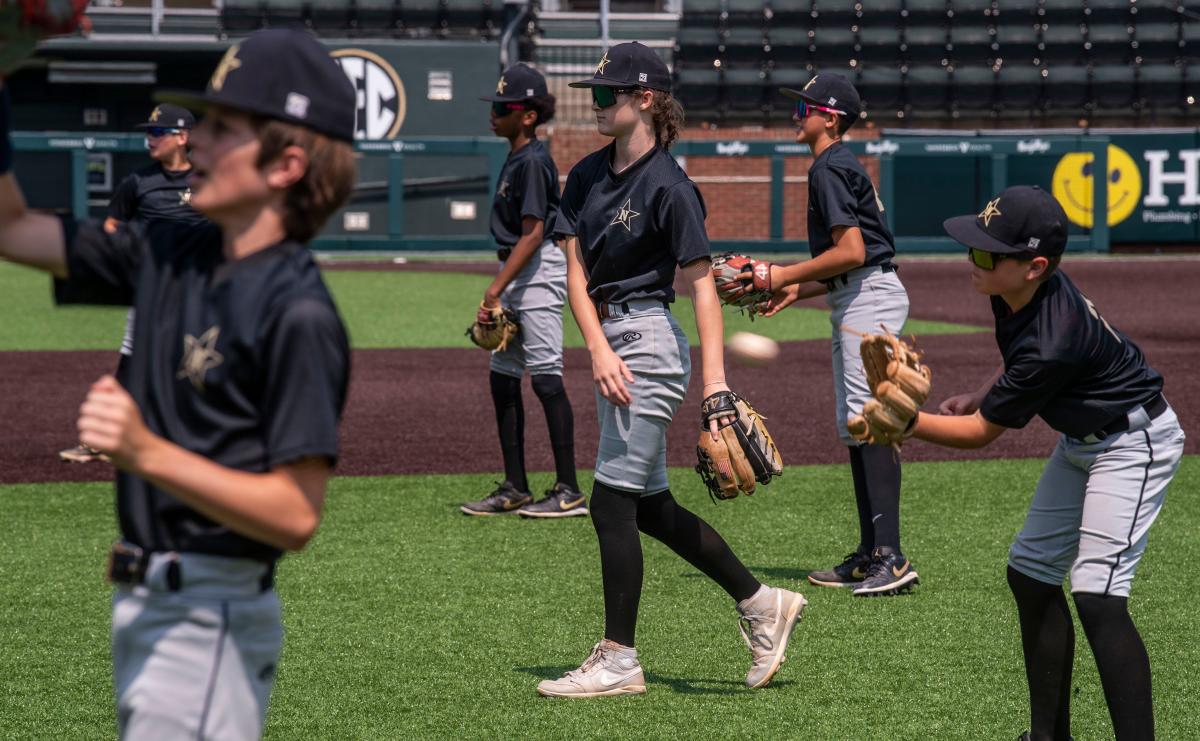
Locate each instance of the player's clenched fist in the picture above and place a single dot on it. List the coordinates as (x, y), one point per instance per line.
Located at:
(110, 421)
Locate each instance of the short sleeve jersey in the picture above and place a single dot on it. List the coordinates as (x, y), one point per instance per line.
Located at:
(528, 186)
(245, 363)
(1062, 360)
(635, 227)
(153, 193)
(841, 194)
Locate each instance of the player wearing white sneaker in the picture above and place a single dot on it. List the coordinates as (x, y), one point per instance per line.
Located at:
(766, 624)
(611, 669)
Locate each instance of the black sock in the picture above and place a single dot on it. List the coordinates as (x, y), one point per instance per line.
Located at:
(561, 422)
(615, 515)
(510, 421)
(661, 517)
(866, 529)
(881, 468)
(1048, 641)
(1123, 663)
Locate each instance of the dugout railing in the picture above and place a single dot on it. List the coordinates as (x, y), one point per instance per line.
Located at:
(386, 163)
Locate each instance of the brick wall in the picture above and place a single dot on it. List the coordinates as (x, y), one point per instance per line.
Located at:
(737, 190)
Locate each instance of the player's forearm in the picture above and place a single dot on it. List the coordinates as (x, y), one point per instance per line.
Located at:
(522, 252)
(710, 324)
(969, 431)
(811, 289)
(268, 507)
(581, 303)
(847, 254)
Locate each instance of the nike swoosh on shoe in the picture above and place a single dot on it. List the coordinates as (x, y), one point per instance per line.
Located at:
(564, 506)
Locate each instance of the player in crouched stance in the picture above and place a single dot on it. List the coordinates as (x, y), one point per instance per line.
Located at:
(631, 216)
(1104, 484)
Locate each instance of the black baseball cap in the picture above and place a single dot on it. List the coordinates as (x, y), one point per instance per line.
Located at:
(1023, 219)
(631, 64)
(280, 73)
(829, 90)
(519, 82)
(167, 116)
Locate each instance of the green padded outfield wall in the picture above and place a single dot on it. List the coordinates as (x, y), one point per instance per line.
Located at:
(1153, 185)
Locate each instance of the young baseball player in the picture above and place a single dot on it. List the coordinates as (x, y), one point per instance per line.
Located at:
(157, 191)
(631, 216)
(852, 251)
(532, 281)
(225, 431)
(1104, 484)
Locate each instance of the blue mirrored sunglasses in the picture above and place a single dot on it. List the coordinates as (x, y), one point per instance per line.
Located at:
(157, 131)
(805, 109)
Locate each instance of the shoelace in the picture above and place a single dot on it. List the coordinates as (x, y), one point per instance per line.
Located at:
(851, 559)
(877, 568)
(746, 626)
(595, 657)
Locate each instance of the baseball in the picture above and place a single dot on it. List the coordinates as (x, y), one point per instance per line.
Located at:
(752, 349)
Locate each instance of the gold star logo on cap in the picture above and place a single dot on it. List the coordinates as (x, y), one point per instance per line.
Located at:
(604, 62)
(229, 63)
(155, 114)
(501, 85)
(987, 213)
(808, 84)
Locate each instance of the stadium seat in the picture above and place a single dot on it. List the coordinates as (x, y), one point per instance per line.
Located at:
(1069, 89)
(1162, 86)
(882, 89)
(928, 90)
(746, 91)
(1019, 87)
(1017, 42)
(834, 46)
(1114, 86)
(879, 43)
(1157, 41)
(974, 88)
(1063, 43)
(972, 44)
(926, 43)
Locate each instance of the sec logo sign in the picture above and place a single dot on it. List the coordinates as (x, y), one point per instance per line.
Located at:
(381, 104)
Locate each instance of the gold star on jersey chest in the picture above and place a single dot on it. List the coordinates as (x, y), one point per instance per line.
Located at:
(625, 215)
(990, 211)
(502, 189)
(199, 356)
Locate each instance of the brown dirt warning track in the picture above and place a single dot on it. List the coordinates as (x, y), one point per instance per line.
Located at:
(429, 411)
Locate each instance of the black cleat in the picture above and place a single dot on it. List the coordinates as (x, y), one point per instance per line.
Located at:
(1026, 737)
(848, 573)
(889, 573)
(503, 500)
(561, 501)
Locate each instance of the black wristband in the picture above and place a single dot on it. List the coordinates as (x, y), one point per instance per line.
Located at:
(6, 148)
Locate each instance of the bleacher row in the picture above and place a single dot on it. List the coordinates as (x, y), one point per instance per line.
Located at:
(933, 59)
(377, 18)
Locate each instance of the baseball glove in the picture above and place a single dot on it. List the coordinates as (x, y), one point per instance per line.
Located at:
(900, 385)
(493, 328)
(741, 292)
(25, 22)
(743, 453)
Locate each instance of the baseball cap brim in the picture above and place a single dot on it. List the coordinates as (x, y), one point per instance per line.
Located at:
(966, 231)
(502, 98)
(601, 82)
(160, 126)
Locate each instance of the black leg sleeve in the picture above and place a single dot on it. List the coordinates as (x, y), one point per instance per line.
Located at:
(1123, 663)
(614, 515)
(661, 517)
(881, 465)
(561, 422)
(866, 528)
(1048, 641)
(510, 421)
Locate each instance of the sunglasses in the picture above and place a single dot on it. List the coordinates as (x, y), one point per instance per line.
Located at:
(805, 109)
(502, 108)
(988, 260)
(606, 97)
(157, 131)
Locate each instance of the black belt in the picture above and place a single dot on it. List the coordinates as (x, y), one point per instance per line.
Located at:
(127, 564)
(839, 281)
(605, 308)
(504, 253)
(1154, 408)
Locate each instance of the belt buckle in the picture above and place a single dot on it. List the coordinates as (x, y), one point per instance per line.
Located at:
(126, 564)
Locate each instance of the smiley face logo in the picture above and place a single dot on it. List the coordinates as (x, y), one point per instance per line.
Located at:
(1073, 186)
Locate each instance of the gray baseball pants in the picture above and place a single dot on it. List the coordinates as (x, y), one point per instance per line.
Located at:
(198, 662)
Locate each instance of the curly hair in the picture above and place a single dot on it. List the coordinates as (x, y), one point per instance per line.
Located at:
(543, 106)
(667, 115)
(325, 186)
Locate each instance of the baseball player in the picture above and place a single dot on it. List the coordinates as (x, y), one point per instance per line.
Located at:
(1104, 484)
(533, 282)
(631, 216)
(852, 251)
(226, 430)
(157, 191)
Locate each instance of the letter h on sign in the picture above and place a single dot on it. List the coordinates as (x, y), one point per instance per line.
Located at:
(1189, 178)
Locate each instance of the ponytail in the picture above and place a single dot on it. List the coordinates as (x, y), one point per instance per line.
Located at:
(667, 115)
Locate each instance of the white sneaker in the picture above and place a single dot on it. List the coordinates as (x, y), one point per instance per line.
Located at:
(611, 669)
(766, 626)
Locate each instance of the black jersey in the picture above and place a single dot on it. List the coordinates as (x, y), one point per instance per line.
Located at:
(245, 363)
(1062, 360)
(528, 187)
(154, 193)
(841, 194)
(633, 227)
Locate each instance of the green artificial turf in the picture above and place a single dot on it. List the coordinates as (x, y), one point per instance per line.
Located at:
(381, 309)
(406, 619)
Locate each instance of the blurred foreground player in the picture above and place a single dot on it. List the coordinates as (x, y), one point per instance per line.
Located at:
(227, 434)
(1104, 484)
